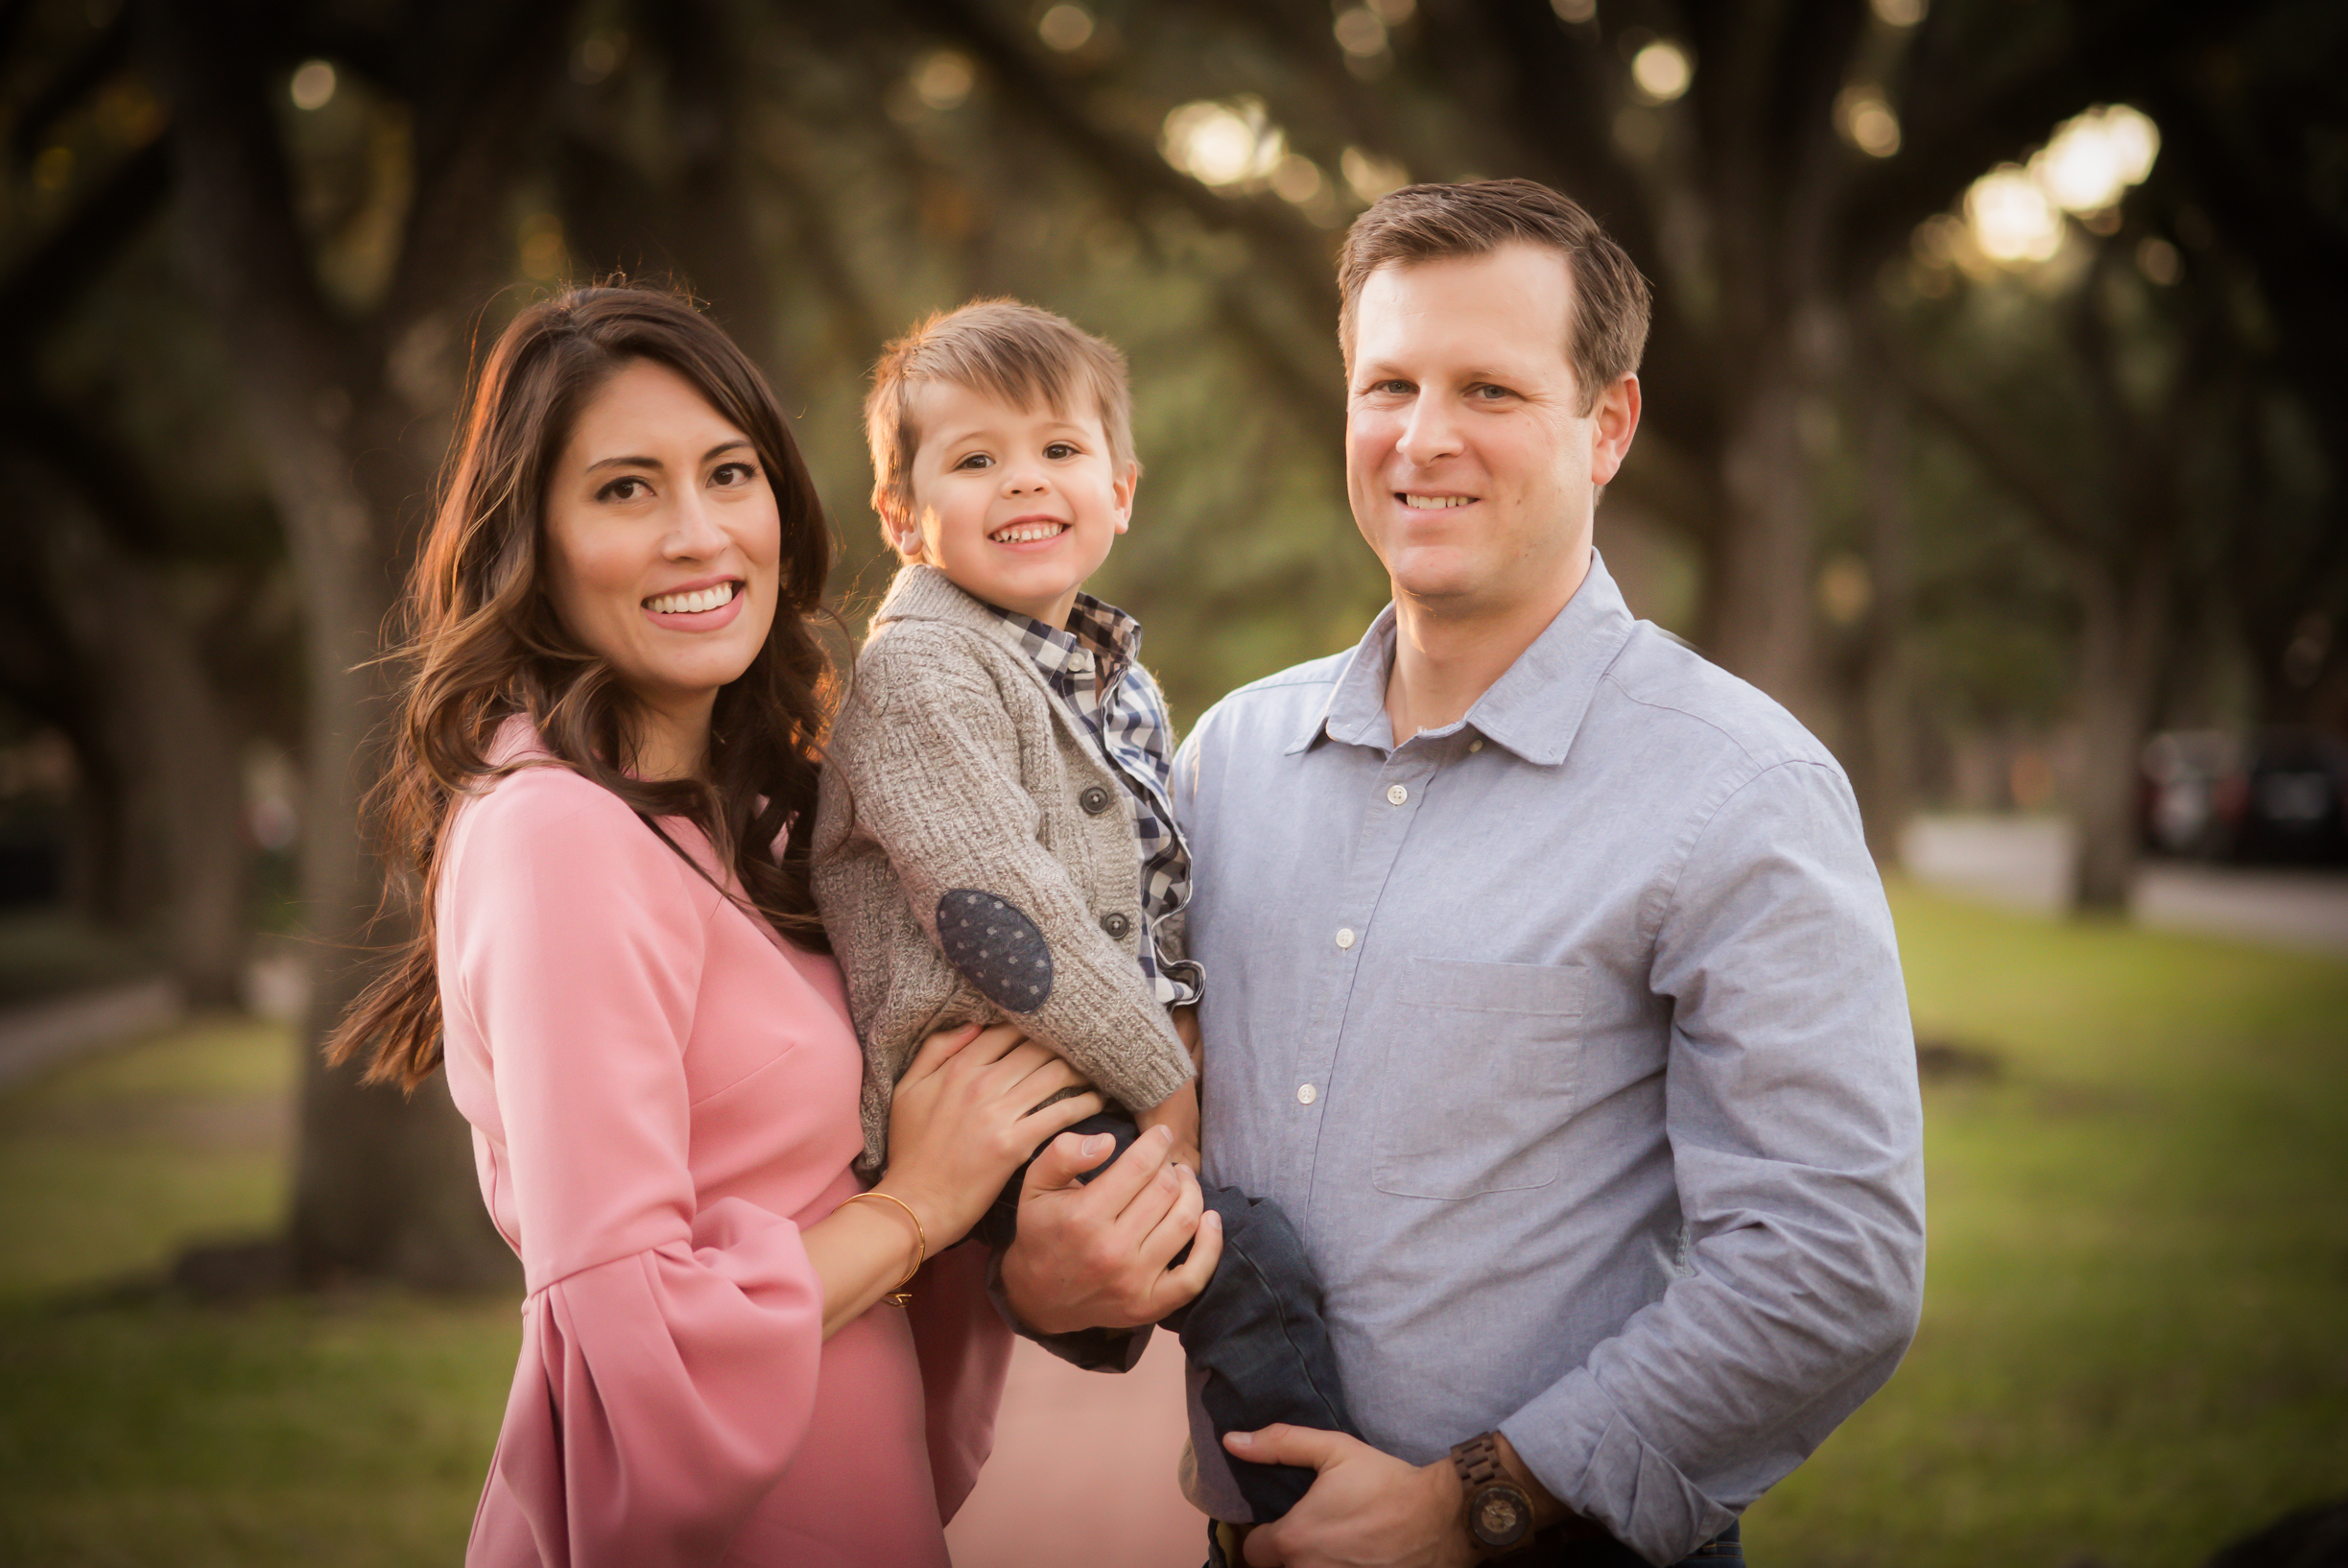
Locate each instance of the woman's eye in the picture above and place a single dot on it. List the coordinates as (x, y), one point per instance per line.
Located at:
(627, 487)
(729, 474)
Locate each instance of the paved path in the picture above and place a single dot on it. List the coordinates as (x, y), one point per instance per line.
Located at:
(32, 1037)
(2021, 861)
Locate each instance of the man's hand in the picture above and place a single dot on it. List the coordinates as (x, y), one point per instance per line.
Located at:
(1096, 1256)
(1366, 1508)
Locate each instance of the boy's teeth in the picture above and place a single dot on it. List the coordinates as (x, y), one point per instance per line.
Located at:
(1435, 503)
(690, 603)
(1022, 533)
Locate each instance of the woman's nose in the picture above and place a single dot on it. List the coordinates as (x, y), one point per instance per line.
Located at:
(693, 531)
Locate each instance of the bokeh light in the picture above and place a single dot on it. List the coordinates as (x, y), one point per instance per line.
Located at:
(1662, 70)
(1222, 143)
(1370, 177)
(1065, 28)
(1866, 121)
(313, 85)
(2012, 218)
(2093, 159)
(943, 80)
(1359, 31)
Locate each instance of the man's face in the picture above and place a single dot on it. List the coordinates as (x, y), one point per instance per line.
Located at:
(1468, 458)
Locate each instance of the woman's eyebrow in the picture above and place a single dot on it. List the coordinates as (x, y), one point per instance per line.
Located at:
(656, 462)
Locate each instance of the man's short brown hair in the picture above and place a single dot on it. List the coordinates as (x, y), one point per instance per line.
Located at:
(1016, 352)
(1429, 222)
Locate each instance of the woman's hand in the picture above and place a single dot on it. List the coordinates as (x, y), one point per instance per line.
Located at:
(1179, 1115)
(968, 1112)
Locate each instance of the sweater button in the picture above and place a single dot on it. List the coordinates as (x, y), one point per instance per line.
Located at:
(1095, 801)
(1116, 925)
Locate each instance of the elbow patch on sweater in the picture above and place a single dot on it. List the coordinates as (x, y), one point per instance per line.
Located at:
(991, 941)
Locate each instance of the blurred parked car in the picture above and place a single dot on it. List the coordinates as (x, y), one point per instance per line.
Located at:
(2275, 797)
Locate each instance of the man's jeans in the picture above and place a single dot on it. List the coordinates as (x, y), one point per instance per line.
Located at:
(1255, 1331)
(1725, 1549)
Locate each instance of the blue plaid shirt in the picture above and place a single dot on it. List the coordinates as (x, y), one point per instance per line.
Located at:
(1093, 672)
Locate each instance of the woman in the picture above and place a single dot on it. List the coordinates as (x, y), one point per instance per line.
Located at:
(609, 720)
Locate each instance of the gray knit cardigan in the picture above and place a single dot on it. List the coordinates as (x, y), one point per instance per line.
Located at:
(954, 819)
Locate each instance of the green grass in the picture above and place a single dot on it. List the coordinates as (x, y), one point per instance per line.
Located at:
(2135, 1337)
(139, 1429)
(2132, 1351)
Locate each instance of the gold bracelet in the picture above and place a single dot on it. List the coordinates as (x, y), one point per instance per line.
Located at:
(897, 1292)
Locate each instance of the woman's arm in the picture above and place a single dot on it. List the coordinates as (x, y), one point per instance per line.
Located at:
(967, 1113)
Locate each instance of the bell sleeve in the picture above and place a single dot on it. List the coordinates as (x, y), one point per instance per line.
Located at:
(669, 1350)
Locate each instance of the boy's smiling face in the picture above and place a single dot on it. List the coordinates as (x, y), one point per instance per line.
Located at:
(1017, 506)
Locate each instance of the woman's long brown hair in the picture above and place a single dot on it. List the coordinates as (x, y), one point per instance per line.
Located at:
(480, 643)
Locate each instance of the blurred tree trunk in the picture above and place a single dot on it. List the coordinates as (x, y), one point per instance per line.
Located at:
(1887, 698)
(383, 1185)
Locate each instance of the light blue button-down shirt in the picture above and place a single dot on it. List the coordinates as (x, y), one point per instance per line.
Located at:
(1572, 1039)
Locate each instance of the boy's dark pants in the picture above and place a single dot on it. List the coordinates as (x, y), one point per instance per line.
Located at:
(1255, 1331)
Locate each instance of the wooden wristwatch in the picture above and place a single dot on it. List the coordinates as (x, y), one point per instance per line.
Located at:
(1499, 1511)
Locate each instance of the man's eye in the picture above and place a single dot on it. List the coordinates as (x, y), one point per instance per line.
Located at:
(1390, 388)
(1490, 394)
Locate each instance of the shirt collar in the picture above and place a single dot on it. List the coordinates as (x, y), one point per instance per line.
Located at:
(1536, 706)
(921, 592)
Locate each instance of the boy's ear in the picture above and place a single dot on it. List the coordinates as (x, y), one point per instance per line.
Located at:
(896, 529)
(1121, 494)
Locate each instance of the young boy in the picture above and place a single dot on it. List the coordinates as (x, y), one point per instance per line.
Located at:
(994, 839)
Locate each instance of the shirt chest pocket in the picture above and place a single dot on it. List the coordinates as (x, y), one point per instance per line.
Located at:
(1482, 1066)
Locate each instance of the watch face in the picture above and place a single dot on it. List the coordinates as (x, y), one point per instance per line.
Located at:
(1500, 1516)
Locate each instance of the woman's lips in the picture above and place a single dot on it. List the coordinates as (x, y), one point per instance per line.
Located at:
(706, 616)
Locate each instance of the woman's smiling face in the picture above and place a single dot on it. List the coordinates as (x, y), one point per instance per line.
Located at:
(663, 549)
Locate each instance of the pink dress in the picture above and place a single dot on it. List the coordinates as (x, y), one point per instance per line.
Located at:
(662, 1093)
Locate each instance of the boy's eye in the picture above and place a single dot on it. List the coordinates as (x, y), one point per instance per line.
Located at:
(976, 460)
(1060, 450)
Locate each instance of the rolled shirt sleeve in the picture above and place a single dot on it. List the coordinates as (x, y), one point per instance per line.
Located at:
(1795, 1136)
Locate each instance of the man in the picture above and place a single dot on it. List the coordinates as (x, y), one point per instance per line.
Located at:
(1550, 987)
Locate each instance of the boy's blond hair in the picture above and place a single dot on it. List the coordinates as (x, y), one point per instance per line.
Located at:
(1005, 350)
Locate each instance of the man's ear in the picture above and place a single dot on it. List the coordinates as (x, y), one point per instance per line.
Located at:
(1120, 496)
(1613, 423)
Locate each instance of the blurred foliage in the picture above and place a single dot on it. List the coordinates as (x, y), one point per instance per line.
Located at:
(2129, 1349)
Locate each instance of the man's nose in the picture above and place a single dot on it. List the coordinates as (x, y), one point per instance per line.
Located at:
(1429, 432)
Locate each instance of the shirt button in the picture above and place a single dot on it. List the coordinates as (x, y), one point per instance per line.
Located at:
(1116, 925)
(1306, 1094)
(1345, 937)
(1475, 744)
(1095, 801)
(1396, 796)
